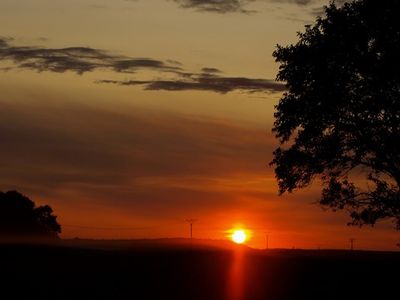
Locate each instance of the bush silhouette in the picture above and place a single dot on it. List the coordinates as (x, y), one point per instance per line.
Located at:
(19, 217)
(339, 121)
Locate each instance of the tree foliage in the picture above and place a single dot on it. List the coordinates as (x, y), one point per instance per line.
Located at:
(19, 217)
(339, 120)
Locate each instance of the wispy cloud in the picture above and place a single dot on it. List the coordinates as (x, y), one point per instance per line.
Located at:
(76, 59)
(207, 82)
(309, 2)
(232, 6)
(241, 6)
(211, 70)
(217, 6)
(85, 59)
(298, 2)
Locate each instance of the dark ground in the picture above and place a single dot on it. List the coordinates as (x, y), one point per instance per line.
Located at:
(173, 269)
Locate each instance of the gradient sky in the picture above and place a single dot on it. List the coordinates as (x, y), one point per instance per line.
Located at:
(128, 117)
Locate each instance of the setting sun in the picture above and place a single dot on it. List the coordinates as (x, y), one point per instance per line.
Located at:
(239, 236)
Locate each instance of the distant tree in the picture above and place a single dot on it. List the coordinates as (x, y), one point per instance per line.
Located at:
(19, 217)
(339, 121)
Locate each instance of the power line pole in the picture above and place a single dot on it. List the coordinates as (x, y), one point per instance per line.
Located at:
(267, 241)
(191, 221)
(352, 244)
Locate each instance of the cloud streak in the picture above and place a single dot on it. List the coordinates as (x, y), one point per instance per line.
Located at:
(298, 2)
(207, 82)
(216, 6)
(85, 59)
(77, 59)
(237, 6)
(231, 6)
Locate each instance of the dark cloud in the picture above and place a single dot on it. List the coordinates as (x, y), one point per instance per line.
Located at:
(129, 65)
(207, 82)
(217, 6)
(85, 59)
(76, 59)
(233, 6)
(211, 70)
(310, 2)
(239, 6)
(298, 2)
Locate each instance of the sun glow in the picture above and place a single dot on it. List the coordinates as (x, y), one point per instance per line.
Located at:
(239, 236)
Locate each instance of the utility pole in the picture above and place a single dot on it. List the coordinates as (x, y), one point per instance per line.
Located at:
(267, 241)
(352, 244)
(191, 221)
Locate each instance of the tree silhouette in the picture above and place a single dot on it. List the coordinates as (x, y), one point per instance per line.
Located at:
(20, 218)
(339, 121)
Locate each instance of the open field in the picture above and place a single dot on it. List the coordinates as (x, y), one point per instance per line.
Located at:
(177, 269)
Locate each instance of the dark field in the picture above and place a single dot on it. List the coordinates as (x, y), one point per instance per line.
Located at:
(173, 269)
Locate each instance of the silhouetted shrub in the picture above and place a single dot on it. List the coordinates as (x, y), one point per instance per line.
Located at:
(19, 217)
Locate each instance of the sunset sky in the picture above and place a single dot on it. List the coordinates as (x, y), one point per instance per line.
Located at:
(130, 116)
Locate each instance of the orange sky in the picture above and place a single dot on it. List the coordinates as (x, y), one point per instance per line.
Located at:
(164, 114)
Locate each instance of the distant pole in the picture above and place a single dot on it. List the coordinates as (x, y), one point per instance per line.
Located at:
(352, 244)
(266, 241)
(191, 221)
